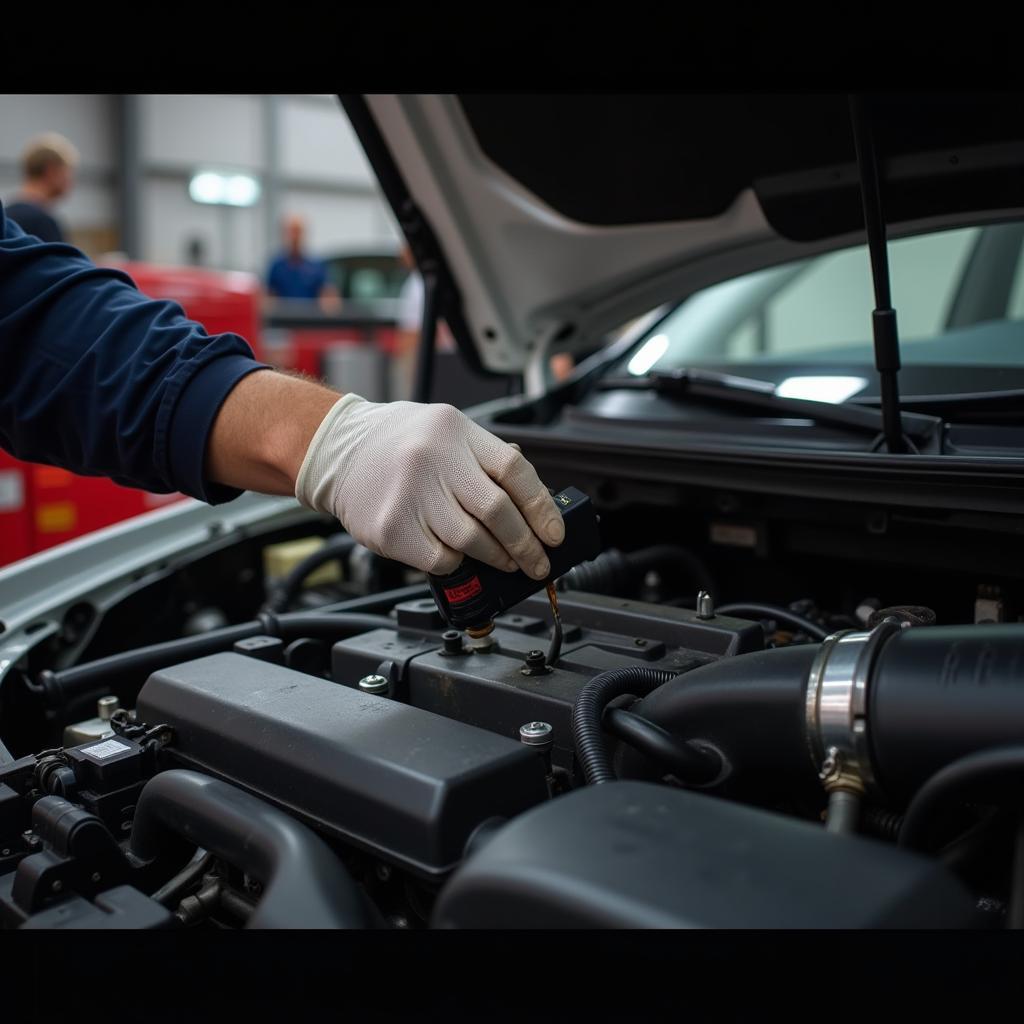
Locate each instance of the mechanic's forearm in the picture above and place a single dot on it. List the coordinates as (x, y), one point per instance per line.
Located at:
(263, 429)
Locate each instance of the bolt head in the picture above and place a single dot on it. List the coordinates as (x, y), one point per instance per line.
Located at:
(57, 886)
(374, 684)
(536, 734)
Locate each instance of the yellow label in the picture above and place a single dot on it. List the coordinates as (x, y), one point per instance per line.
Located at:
(56, 517)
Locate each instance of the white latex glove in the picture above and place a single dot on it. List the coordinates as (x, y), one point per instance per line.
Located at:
(423, 483)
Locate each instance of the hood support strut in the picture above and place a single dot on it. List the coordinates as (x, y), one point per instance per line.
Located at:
(883, 319)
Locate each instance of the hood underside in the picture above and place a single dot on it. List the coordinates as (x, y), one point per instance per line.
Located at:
(551, 219)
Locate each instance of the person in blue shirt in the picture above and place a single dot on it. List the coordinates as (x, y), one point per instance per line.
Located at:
(99, 379)
(294, 275)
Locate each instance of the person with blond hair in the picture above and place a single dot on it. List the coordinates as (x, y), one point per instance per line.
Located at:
(48, 172)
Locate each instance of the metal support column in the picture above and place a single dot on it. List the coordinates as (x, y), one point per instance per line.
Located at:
(129, 174)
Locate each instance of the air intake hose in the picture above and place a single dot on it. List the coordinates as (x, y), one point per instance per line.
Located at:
(900, 704)
(751, 707)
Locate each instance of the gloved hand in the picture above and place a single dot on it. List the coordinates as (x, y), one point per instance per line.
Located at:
(424, 484)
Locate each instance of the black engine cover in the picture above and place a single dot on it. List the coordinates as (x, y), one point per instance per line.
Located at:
(639, 855)
(399, 782)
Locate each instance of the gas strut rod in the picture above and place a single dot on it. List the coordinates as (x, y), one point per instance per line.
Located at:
(883, 319)
(428, 333)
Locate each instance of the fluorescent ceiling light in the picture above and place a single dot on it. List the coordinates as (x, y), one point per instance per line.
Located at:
(821, 389)
(207, 188)
(654, 348)
(225, 189)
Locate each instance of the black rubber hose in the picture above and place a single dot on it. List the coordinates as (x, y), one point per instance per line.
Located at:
(283, 593)
(994, 775)
(60, 688)
(170, 893)
(305, 885)
(745, 609)
(881, 823)
(751, 707)
(614, 572)
(65, 685)
(382, 601)
(587, 712)
(686, 761)
(321, 625)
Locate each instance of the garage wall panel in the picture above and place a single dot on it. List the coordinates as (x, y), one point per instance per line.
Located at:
(318, 144)
(188, 131)
(232, 238)
(86, 119)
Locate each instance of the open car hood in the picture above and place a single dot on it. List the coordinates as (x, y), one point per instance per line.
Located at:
(551, 219)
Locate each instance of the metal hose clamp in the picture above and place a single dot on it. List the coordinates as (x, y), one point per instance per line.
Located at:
(837, 704)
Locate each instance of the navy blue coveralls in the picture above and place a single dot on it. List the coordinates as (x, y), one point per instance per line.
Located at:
(101, 380)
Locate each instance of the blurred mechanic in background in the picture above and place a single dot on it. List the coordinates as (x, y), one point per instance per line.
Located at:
(48, 173)
(407, 334)
(407, 330)
(99, 379)
(294, 275)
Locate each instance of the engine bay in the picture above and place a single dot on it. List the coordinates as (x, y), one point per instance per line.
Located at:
(758, 713)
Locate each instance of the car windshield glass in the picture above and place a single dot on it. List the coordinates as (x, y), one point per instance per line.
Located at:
(959, 297)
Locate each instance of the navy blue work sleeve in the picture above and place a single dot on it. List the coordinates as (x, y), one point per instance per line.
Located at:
(100, 379)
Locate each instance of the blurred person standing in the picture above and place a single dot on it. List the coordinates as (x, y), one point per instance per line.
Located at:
(294, 275)
(410, 323)
(408, 327)
(48, 173)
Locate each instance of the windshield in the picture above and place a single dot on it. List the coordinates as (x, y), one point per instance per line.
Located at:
(959, 297)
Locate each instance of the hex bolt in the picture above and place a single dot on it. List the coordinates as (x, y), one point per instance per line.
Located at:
(5, 853)
(640, 642)
(374, 684)
(383, 872)
(705, 606)
(95, 876)
(452, 641)
(57, 886)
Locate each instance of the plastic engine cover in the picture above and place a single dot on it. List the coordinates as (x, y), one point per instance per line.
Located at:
(402, 783)
(640, 855)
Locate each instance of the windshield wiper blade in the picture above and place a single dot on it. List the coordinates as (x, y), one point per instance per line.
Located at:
(760, 396)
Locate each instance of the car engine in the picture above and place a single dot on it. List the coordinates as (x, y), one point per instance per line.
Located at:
(224, 748)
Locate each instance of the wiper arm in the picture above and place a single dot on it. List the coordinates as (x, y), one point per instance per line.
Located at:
(760, 396)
